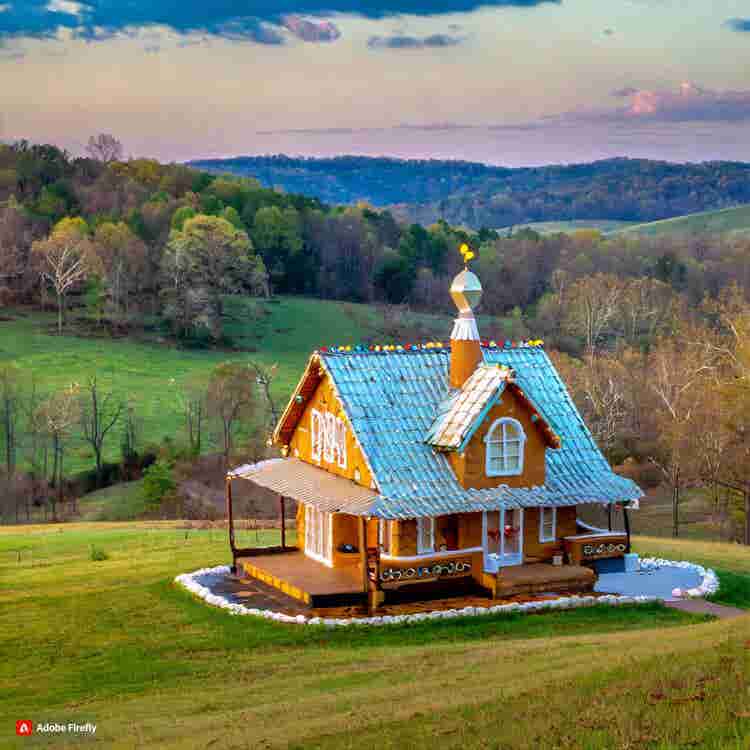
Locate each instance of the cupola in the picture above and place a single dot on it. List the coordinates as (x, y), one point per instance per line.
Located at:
(466, 350)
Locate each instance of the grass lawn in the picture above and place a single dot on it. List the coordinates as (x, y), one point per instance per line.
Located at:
(148, 372)
(114, 642)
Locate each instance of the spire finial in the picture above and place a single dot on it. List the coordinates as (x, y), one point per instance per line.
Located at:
(467, 253)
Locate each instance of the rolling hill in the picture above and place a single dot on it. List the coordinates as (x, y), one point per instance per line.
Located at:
(735, 219)
(479, 195)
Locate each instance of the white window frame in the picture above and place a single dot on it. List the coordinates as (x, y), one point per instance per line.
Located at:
(499, 424)
(314, 547)
(545, 538)
(421, 550)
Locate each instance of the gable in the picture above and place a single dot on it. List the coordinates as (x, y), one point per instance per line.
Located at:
(322, 436)
(470, 464)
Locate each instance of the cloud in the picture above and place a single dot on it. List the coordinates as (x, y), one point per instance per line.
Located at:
(688, 104)
(739, 24)
(404, 41)
(258, 21)
(67, 7)
(310, 29)
(4, 7)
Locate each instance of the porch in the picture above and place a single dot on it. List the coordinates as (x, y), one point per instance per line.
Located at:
(304, 579)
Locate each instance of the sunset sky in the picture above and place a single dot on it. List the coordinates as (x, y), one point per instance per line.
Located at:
(515, 82)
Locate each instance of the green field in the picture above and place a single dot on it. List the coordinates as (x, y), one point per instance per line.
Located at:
(605, 226)
(149, 372)
(114, 642)
(714, 222)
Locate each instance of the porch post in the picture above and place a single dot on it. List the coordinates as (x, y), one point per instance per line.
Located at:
(230, 520)
(362, 534)
(626, 520)
(283, 522)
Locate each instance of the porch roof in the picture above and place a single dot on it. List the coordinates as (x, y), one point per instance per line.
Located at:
(308, 484)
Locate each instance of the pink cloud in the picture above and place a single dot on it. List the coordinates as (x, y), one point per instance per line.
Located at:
(688, 103)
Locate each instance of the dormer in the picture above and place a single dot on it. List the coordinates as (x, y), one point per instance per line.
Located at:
(492, 433)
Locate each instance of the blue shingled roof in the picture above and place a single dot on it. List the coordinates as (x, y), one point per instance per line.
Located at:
(391, 400)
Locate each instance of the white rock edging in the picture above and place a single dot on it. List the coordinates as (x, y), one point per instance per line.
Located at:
(709, 585)
(709, 580)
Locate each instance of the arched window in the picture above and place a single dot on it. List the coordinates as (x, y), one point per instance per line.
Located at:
(504, 448)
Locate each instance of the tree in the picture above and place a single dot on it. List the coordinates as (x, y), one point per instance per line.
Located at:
(678, 370)
(277, 237)
(65, 259)
(192, 399)
(735, 398)
(592, 306)
(231, 397)
(207, 259)
(10, 411)
(264, 377)
(124, 259)
(100, 411)
(105, 148)
(56, 416)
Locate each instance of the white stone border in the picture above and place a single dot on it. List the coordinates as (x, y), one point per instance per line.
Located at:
(709, 585)
(709, 580)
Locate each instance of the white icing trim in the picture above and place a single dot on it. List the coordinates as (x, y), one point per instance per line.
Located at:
(465, 329)
(431, 555)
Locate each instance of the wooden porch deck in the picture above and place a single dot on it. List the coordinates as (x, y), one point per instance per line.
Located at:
(305, 579)
(537, 578)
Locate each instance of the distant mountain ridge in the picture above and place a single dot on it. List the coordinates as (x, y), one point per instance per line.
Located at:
(476, 195)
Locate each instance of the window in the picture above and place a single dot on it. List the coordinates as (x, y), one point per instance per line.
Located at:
(504, 448)
(547, 524)
(385, 531)
(317, 534)
(328, 435)
(425, 535)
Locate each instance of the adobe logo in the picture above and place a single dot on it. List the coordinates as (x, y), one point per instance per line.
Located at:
(24, 728)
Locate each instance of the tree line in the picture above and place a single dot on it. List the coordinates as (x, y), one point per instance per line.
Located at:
(39, 430)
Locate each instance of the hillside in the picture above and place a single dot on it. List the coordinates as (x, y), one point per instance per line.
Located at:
(735, 219)
(613, 677)
(477, 195)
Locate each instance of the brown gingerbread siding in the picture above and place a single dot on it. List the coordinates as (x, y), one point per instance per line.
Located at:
(565, 526)
(469, 466)
(325, 400)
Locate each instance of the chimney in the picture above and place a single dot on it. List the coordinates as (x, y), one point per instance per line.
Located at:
(466, 351)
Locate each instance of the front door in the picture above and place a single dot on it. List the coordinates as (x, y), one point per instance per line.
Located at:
(503, 538)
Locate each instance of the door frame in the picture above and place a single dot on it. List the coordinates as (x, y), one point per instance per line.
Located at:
(495, 560)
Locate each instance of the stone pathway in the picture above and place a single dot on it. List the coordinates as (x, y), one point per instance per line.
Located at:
(702, 607)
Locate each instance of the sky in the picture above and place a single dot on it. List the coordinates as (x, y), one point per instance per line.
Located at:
(512, 82)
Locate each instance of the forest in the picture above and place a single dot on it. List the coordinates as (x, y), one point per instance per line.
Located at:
(651, 334)
(477, 195)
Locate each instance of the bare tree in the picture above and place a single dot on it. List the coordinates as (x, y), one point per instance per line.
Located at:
(231, 397)
(100, 411)
(56, 416)
(592, 303)
(65, 259)
(264, 377)
(105, 148)
(192, 400)
(678, 370)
